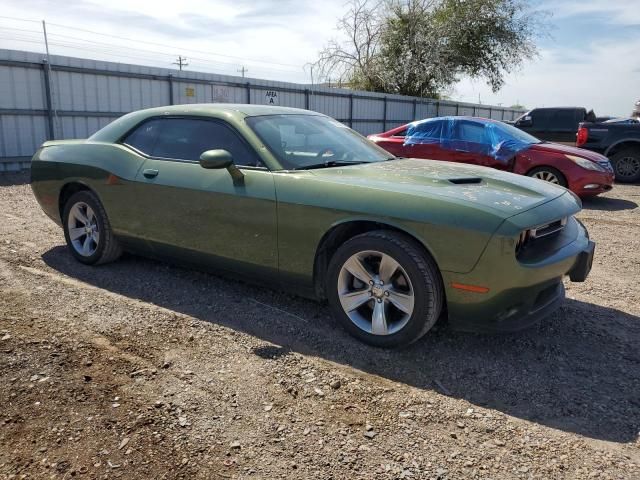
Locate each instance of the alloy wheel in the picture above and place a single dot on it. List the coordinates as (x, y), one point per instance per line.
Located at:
(547, 176)
(376, 293)
(627, 167)
(84, 232)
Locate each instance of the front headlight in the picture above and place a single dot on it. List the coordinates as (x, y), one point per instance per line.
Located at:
(584, 163)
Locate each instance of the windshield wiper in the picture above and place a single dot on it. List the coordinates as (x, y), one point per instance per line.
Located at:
(329, 163)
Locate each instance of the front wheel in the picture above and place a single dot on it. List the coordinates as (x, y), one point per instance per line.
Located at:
(87, 230)
(549, 174)
(384, 288)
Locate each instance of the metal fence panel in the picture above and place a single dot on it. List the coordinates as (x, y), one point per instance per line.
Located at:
(335, 107)
(21, 88)
(448, 109)
(368, 108)
(401, 111)
(21, 135)
(85, 95)
(186, 92)
(368, 128)
(426, 110)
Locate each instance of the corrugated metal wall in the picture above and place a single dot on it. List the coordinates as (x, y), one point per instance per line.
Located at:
(86, 95)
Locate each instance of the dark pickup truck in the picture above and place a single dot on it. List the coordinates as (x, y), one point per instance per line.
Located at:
(618, 141)
(554, 124)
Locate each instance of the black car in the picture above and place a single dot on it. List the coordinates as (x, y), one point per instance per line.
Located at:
(557, 124)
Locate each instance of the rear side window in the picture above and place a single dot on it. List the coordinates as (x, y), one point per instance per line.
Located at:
(541, 119)
(471, 132)
(188, 138)
(144, 137)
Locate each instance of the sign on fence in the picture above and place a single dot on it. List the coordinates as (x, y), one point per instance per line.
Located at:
(220, 94)
(271, 98)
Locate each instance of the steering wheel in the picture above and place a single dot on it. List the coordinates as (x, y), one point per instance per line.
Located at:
(335, 153)
(325, 150)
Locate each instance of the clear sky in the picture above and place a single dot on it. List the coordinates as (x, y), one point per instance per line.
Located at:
(590, 57)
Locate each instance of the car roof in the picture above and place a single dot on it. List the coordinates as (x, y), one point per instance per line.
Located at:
(228, 111)
(457, 117)
(215, 109)
(449, 117)
(557, 108)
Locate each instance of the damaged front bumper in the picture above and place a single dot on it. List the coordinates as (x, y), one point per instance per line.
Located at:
(520, 290)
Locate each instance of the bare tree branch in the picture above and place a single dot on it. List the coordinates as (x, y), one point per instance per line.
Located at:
(423, 47)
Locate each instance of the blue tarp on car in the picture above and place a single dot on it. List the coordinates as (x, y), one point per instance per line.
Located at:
(469, 135)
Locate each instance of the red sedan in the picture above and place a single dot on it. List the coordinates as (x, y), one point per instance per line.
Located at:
(495, 144)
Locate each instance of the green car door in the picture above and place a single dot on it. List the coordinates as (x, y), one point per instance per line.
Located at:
(185, 210)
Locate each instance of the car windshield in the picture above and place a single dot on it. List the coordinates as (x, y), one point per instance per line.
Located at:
(510, 131)
(314, 141)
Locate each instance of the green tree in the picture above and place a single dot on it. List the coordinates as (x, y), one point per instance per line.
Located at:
(423, 47)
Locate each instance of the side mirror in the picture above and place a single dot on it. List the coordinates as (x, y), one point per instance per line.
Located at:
(213, 159)
(216, 159)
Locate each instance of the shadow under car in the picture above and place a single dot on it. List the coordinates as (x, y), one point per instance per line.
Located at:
(577, 371)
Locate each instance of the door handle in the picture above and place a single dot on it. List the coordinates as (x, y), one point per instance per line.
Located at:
(461, 150)
(150, 173)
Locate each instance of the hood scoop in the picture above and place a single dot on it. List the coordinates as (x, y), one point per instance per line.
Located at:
(465, 181)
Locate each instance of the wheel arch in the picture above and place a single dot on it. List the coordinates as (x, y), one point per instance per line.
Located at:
(69, 189)
(341, 232)
(550, 167)
(621, 145)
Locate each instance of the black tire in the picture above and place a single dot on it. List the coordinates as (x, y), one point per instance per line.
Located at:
(626, 165)
(562, 180)
(421, 270)
(107, 248)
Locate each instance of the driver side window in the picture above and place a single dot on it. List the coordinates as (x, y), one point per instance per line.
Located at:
(187, 138)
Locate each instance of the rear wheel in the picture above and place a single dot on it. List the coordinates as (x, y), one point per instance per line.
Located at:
(626, 165)
(384, 289)
(88, 231)
(549, 174)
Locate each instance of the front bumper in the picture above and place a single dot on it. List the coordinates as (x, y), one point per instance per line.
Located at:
(592, 183)
(584, 262)
(522, 290)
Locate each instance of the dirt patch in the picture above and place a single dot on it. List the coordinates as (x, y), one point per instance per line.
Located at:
(142, 370)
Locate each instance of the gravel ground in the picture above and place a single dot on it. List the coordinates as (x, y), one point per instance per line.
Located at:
(139, 370)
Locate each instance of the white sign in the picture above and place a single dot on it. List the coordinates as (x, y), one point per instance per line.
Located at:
(220, 94)
(271, 98)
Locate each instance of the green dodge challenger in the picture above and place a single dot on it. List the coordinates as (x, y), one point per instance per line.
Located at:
(294, 199)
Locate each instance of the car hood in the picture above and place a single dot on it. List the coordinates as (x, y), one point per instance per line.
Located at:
(568, 150)
(502, 192)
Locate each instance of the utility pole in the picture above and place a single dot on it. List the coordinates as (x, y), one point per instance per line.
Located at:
(181, 62)
(243, 71)
(49, 77)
